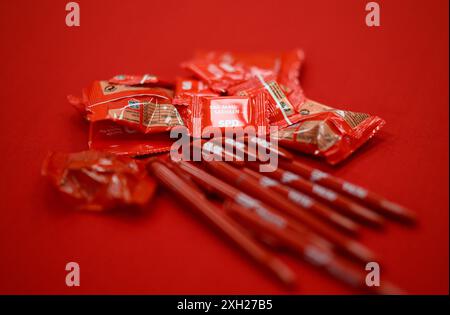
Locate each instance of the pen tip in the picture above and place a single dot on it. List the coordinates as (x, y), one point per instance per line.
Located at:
(362, 252)
(283, 272)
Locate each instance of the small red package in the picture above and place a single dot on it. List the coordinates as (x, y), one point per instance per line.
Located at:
(225, 112)
(99, 181)
(281, 111)
(187, 89)
(222, 70)
(148, 110)
(121, 140)
(140, 79)
(327, 132)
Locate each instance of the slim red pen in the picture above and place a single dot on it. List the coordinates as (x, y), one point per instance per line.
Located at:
(346, 205)
(315, 254)
(306, 202)
(197, 201)
(359, 193)
(251, 186)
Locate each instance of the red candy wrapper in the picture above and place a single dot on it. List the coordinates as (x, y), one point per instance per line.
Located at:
(99, 181)
(148, 110)
(121, 140)
(327, 132)
(222, 70)
(225, 112)
(140, 79)
(187, 89)
(281, 111)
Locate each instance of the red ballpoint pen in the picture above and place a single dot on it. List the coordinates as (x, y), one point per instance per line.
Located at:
(251, 186)
(196, 200)
(359, 193)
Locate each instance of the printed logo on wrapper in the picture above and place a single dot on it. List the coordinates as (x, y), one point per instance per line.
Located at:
(226, 144)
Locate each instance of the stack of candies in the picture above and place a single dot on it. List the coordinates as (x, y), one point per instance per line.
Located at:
(293, 207)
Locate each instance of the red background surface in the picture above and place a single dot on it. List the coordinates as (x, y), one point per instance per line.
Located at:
(398, 71)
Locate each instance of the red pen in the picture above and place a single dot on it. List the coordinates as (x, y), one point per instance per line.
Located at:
(314, 253)
(248, 146)
(251, 186)
(261, 212)
(211, 150)
(306, 202)
(338, 185)
(196, 200)
(346, 205)
(225, 191)
(359, 193)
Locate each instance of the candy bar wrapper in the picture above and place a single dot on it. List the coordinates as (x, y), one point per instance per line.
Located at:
(328, 132)
(282, 111)
(99, 181)
(188, 89)
(207, 113)
(222, 70)
(140, 79)
(110, 137)
(148, 110)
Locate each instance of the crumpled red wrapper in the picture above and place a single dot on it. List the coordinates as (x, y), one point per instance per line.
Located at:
(222, 70)
(99, 181)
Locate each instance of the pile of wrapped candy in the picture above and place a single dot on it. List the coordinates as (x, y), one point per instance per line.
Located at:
(293, 207)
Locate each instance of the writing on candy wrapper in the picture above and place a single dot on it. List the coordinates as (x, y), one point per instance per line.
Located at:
(229, 123)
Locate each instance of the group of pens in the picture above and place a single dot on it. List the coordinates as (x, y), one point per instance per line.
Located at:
(296, 208)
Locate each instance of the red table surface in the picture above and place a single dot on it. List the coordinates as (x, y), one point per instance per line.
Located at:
(398, 71)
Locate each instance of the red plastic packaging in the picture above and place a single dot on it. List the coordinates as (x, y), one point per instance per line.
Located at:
(225, 112)
(140, 79)
(327, 132)
(281, 111)
(148, 110)
(188, 89)
(110, 137)
(222, 70)
(99, 181)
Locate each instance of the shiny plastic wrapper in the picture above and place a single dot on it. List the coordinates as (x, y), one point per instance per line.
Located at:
(110, 137)
(148, 110)
(223, 70)
(99, 181)
(188, 90)
(327, 132)
(282, 111)
(207, 113)
(140, 79)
